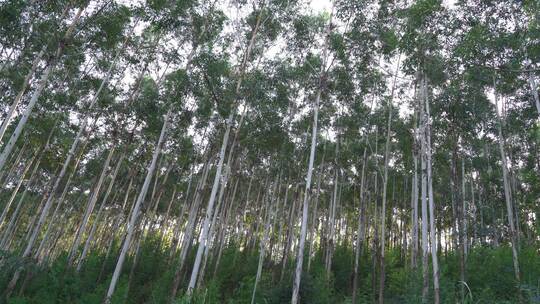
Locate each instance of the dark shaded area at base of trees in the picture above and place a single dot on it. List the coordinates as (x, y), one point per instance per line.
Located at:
(489, 279)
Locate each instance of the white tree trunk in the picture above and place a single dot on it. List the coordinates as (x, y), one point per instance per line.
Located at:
(98, 215)
(425, 245)
(508, 196)
(136, 209)
(264, 241)
(18, 98)
(37, 93)
(203, 238)
(305, 214)
(534, 91)
(383, 211)
(361, 228)
(464, 211)
(332, 226)
(89, 209)
(16, 190)
(434, 257)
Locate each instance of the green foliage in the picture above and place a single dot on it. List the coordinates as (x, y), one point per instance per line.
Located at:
(489, 278)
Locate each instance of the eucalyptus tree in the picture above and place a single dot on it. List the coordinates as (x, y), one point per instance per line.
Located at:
(55, 57)
(494, 51)
(176, 89)
(19, 19)
(22, 122)
(390, 104)
(311, 35)
(420, 44)
(260, 22)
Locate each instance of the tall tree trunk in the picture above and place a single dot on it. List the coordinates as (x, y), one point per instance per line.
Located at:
(203, 238)
(332, 225)
(534, 91)
(305, 211)
(434, 257)
(16, 189)
(223, 230)
(361, 229)
(18, 98)
(14, 161)
(89, 209)
(37, 93)
(190, 226)
(217, 178)
(303, 231)
(508, 196)
(98, 215)
(73, 145)
(383, 211)
(136, 209)
(425, 245)
(414, 203)
(14, 216)
(59, 203)
(315, 219)
(263, 243)
(290, 231)
(464, 237)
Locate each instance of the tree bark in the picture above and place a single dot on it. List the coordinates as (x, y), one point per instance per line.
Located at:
(434, 257)
(98, 215)
(264, 241)
(136, 209)
(360, 229)
(303, 231)
(89, 209)
(508, 197)
(42, 83)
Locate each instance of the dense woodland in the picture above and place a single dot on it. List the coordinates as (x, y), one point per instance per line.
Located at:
(269, 151)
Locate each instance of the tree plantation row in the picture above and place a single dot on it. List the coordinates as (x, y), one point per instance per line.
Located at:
(269, 151)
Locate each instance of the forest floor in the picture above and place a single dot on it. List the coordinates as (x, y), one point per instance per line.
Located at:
(489, 279)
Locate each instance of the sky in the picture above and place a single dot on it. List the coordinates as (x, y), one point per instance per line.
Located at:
(326, 5)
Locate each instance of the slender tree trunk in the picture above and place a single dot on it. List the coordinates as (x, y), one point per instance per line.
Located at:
(534, 91)
(71, 152)
(303, 231)
(508, 197)
(16, 190)
(464, 237)
(360, 230)
(89, 209)
(290, 231)
(425, 245)
(134, 265)
(264, 241)
(223, 230)
(315, 219)
(332, 225)
(174, 242)
(60, 201)
(14, 216)
(98, 215)
(203, 238)
(19, 96)
(136, 209)
(414, 204)
(190, 226)
(37, 93)
(383, 211)
(434, 257)
(14, 161)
